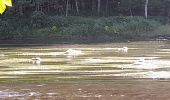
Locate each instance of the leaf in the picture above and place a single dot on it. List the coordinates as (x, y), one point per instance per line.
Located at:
(7, 2)
(2, 7)
(3, 4)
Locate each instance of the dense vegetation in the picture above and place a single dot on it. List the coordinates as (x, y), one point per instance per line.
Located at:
(90, 7)
(85, 20)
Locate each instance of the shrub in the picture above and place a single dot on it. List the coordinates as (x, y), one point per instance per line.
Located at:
(111, 26)
(43, 26)
(133, 26)
(162, 30)
(6, 30)
(38, 19)
(62, 21)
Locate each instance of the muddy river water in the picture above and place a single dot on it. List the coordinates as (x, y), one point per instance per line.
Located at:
(114, 71)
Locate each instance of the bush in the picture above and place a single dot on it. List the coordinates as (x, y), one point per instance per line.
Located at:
(84, 30)
(111, 26)
(38, 19)
(62, 21)
(162, 30)
(42, 26)
(6, 30)
(161, 19)
(133, 26)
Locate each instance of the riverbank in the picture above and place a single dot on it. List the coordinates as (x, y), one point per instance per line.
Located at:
(82, 40)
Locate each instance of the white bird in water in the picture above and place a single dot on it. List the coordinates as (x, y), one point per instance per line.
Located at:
(124, 49)
(36, 60)
(71, 52)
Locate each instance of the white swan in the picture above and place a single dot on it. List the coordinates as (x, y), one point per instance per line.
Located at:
(124, 49)
(36, 60)
(71, 52)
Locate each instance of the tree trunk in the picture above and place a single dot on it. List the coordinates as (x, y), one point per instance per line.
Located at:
(48, 6)
(107, 2)
(38, 6)
(98, 6)
(146, 9)
(131, 14)
(67, 7)
(94, 7)
(77, 7)
(83, 5)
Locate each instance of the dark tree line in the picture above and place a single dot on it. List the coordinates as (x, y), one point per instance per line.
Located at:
(92, 7)
(39, 18)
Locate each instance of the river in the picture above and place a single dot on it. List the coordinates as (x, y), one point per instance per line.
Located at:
(107, 71)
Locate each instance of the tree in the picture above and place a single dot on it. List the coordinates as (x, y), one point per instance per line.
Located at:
(98, 6)
(67, 7)
(77, 7)
(89, 7)
(146, 9)
(3, 4)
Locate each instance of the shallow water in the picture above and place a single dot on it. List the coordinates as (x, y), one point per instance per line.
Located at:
(100, 71)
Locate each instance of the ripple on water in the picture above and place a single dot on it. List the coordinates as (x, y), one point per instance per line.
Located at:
(97, 59)
(147, 74)
(4, 95)
(34, 94)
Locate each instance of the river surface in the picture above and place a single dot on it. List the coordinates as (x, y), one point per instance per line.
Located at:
(86, 72)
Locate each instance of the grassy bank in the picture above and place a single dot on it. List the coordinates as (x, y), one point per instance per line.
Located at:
(40, 27)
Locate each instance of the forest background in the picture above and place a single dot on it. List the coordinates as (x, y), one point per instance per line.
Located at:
(85, 20)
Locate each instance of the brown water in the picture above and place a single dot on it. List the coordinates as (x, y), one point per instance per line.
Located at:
(88, 72)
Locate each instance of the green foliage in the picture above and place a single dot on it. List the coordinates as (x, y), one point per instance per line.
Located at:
(162, 30)
(38, 19)
(161, 19)
(89, 7)
(62, 21)
(57, 26)
(112, 26)
(30, 18)
(6, 30)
